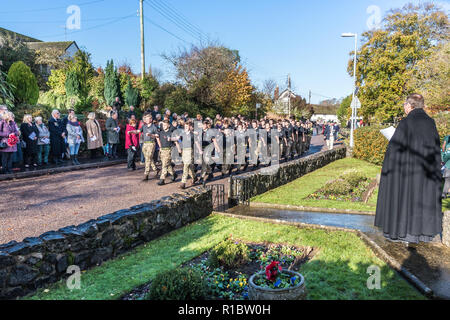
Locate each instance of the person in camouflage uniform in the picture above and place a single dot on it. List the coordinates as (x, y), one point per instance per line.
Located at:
(188, 143)
(149, 132)
(165, 142)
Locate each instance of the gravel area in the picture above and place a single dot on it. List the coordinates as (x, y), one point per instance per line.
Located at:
(30, 207)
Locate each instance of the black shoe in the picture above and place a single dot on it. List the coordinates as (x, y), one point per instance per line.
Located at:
(174, 177)
(210, 176)
(145, 178)
(161, 183)
(183, 186)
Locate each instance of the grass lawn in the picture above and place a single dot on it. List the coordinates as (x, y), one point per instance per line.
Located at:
(296, 192)
(338, 271)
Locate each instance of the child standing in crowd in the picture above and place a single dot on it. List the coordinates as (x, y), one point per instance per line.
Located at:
(131, 143)
(74, 137)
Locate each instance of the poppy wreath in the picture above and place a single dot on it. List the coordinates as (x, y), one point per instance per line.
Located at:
(12, 140)
(272, 271)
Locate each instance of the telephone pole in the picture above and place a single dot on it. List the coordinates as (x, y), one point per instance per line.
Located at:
(309, 97)
(141, 2)
(289, 94)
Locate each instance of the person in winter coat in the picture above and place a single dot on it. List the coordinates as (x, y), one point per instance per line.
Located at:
(74, 137)
(9, 136)
(57, 135)
(131, 143)
(30, 134)
(94, 134)
(43, 142)
(112, 130)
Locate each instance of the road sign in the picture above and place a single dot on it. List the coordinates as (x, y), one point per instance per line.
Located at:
(355, 103)
(258, 105)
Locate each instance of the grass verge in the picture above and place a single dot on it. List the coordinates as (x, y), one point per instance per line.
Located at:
(338, 271)
(296, 192)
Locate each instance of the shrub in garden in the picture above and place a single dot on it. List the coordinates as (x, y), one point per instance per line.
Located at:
(354, 178)
(337, 187)
(370, 144)
(229, 254)
(178, 284)
(25, 86)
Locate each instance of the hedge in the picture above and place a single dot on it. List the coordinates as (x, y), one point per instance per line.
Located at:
(370, 144)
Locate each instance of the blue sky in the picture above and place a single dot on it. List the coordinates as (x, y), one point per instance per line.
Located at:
(274, 37)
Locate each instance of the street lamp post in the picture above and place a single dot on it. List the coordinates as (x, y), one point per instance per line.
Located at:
(354, 110)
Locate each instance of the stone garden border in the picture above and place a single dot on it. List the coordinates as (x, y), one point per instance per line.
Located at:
(38, 261)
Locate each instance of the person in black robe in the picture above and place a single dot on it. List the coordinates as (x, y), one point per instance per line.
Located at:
(409, 207)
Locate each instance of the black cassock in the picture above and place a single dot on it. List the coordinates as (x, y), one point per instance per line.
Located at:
(409, 206)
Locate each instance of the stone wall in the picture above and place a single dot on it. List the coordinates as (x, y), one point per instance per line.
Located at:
(246, 186)
(35, 262)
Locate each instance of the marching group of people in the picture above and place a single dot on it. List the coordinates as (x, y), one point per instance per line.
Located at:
(168, 134)
(151, 140)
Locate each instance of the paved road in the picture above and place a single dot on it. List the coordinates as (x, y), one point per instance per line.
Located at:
(30, 207)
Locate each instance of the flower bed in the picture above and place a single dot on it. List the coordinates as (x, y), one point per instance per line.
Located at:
(231, 283)
(348, 187)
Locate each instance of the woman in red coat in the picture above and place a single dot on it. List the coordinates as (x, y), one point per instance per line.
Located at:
(131, 143)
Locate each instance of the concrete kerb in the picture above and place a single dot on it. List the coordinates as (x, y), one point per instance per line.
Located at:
(308, 209)
(379, 252)
(44, 172)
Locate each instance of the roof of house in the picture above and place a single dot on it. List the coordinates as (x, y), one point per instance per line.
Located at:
(37, 44)
(5, 32)
(59, 45)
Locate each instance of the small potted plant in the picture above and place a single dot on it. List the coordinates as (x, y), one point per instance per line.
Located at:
(277, 284)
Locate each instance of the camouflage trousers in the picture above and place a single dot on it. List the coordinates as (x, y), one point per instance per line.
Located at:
(166, 161)
(289, 149)
(206, 167)
(147, 150)
(188, 164)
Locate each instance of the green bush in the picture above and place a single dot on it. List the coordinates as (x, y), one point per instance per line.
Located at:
(337, 187)
(25, 88)
(354, 178)
(178, 284)
(229, 254)
(370, 144)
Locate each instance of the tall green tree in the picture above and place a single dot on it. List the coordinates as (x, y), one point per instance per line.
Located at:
(389, 56)
(431, 77)
(25, 86)
(112, 83)
(344, 112)
(131, 95)
(79, 73)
